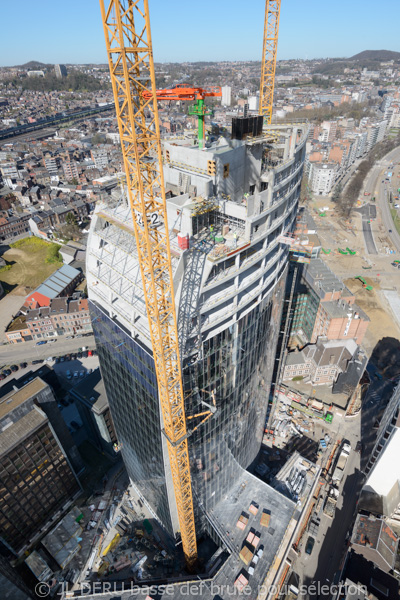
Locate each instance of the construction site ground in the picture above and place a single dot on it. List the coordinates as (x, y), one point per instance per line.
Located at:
(335, 233)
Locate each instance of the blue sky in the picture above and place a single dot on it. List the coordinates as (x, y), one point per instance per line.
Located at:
(71, 31)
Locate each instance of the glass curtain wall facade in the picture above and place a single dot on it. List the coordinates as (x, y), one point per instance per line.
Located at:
(131, 383)
(237, 364)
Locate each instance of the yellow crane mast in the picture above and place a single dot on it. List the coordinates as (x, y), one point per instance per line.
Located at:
(268, 61)
(128, 39)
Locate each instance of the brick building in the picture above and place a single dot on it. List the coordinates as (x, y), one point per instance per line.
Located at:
(62, 317)
(320, 363)
(325, 307)
(13, 226)
(70, 316)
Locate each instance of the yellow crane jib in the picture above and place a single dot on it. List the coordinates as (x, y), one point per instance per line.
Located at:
(268, 61)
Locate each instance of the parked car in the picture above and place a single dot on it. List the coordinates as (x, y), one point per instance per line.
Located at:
(69, 337)
(14, 368)
(79, 336)
(85, 354)
(51, 341)
(37, 361)
(67, 357)
(90, 353)
(2, 376)
(41, 343)
(49, 359)
(62, 358)
(310, 545)
(79, 355)
(23, 365)
(7, 372)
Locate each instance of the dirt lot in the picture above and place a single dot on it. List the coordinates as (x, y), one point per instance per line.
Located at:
(372, 303)
(28, 268)
(377, 270)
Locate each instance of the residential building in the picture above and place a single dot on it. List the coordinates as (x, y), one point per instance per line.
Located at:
(51, 163)
(323, 306)
(39, 323)
(9, 172)
(62, 316)
(70, 316)
(60, 71)
(18, 331)
(322, 177)
(375, 540)
(70, 169)
(363, 580)
(12, 226)
(226, 99)
(100, 158)
(254, 103)
(37, 477)
(320, 363)
(35, 73)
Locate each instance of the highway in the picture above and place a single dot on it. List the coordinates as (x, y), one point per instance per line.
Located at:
(27, 351)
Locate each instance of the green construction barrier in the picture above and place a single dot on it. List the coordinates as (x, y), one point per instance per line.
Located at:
(322, 214)
(367, 267)
(326, 251)
(352, 252)
(361, 279)
(342, 251)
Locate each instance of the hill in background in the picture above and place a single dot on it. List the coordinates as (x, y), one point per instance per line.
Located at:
(379, 55)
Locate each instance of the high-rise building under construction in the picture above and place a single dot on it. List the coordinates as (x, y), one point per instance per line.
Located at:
(228, 207)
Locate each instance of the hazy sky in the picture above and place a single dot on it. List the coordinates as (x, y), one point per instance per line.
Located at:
(185, 30)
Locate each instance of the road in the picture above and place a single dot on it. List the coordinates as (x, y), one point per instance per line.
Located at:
(28, 351)
(380, 190)
(368, 212)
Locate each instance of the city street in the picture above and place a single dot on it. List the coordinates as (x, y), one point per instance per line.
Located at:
(325, 562)
(28, 351)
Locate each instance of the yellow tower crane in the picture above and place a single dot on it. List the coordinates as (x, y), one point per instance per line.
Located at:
(268, 61)
(130, 56)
